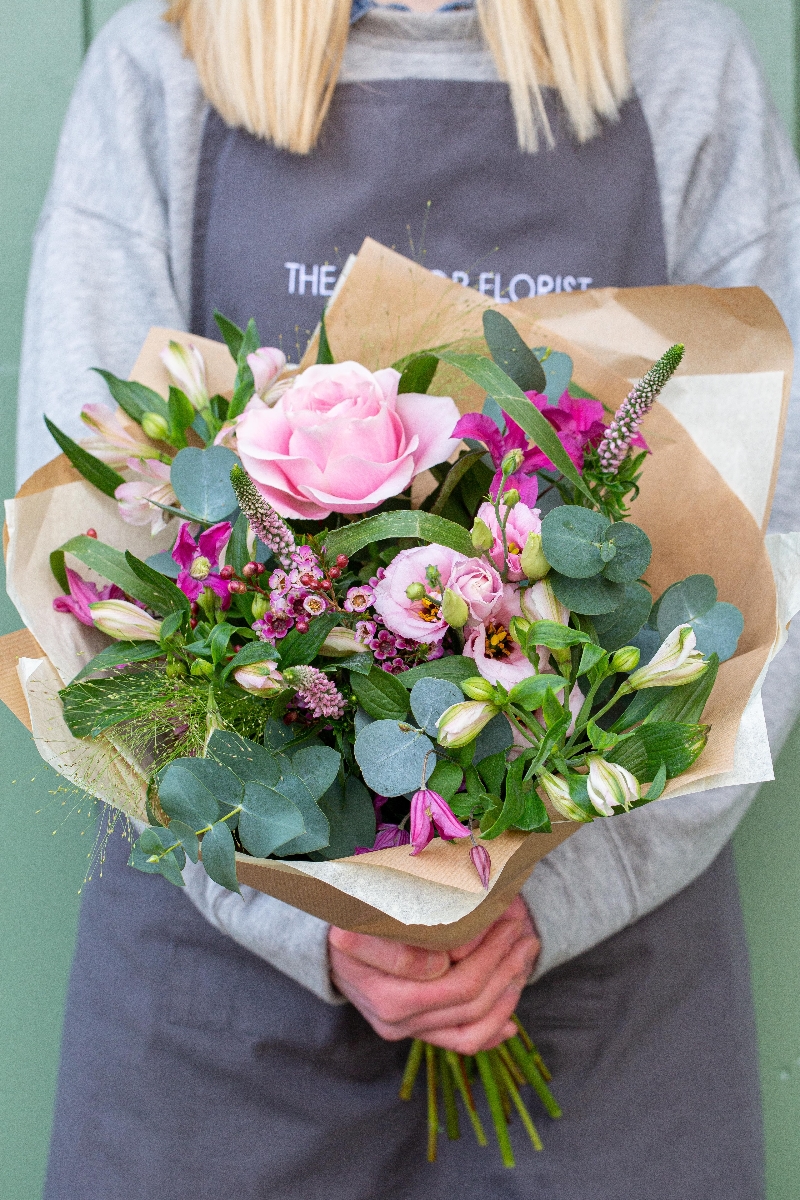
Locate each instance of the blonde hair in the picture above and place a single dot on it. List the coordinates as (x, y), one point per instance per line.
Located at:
(270, 66)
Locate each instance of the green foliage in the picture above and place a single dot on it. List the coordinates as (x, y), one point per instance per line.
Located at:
(298, 649)
(134, 398)
(201, 479)
(392, 755)
(403, 523)
(429, 699)
(511, 354)
(582, 544)
(351, 816)
(324, 352)
(675, 744)
(135, 578)
(717, 624)
(589, 597)
(98, 473)
(454, 667)
(244, 384)
(381, 695)
(529, 693)
(253, 652)
(620, 626)
(119, 656)
(417, 375)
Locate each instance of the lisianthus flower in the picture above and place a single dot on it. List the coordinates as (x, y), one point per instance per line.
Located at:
(119, 436)
(82, 594)
(428, 569)
(477, 584)
(498, 657)
(429, 809)
(342, 439)
(199, 559)
(135, 497)
(522, 520)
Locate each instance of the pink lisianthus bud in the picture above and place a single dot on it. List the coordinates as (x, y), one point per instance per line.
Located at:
(460, 723)
(478, 585)
(187, 370)
(482, 863)
(610, 786)
(260, 679)
(429, 810)
(266, 365)
(675, 662)
(125, 621)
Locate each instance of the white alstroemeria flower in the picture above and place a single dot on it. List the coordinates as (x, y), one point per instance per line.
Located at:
(556, 789)
(675, 662)
(610, 786)
(460, 723)
(187, 371)
(125, 621)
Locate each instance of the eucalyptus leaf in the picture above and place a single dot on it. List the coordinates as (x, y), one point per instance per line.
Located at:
(589, 597)
(317, 832)
(558, 374)
(511, 354)
(493, 738)
(219, 857)
(571, 540)
(187, 838)
(391, 755)
(198, 791)
(277, 736)
(430, 698)
(633, 552)
(351, 816)
(683, 601)
(164, 563)
(201, 481)
(248, 761)
(318, 767)
(268, 820)
(718, 631)
(620, 627)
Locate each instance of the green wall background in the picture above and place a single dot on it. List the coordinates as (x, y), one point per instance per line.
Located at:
(45, 846)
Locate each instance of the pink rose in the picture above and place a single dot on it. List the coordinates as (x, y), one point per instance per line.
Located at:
(478, 585)
(426, 569)
(342, 440)
(522, 520)
(497, 656)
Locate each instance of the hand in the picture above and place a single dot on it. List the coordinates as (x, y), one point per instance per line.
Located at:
(460, 1001)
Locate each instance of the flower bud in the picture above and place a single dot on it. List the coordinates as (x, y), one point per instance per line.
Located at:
(625, 659)
(341, 640)
(477, 688)
(512, 462)
(454, 609)
(266, 365)
(155, 426)
(482, 536)
(259, 607)
(461, 723)
(519, 629)
(610, 786)
(260, 679)
(125, 621)
(187, 370)
(482, 863)
(202, 669)
(416, 591)
(556, 789)
(511, 497)
(533, 562)
(675, 662)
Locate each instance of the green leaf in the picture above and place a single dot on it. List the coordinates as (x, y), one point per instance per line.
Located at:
(232, 335)
(619, 627)
(98, 473)
(558, 369)
(511, 354)
(447, 778)
(198, 791)
(237, 553)
(571, 540)
(221, 635)
(516, 404)
(119, 656)
(381, 695)
(187, 838)
(675, 744)
(253, 652)
(591, 655)
(589, 597)
(351, 816)
(391, 755)
(493, 738)
(134, 398)
(324, 352)
(403, 523)
(247, 760)
(201, 479)
(317, 834)
(453, 666)
(114, 566)
(555, 636)
(219, 857)
(530, 693)
(168, 866)
(718, 631)
(492, 771)
(268, 820)
(633, 552)
(181, 416)
(601, 739)
(59, 569)
(361, 663)
(299, 649)
(318, 767)
(164, 596)
(453, 478)
(244, 385)
(686, 703)
(164, 563)
(657, 786)
(418, 375)
(683, 601)
(171, 625)
(552, 709)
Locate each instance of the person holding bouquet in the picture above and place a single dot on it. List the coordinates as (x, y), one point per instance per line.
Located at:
(231, 157)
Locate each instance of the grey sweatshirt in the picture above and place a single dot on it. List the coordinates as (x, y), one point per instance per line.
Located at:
(112, 257)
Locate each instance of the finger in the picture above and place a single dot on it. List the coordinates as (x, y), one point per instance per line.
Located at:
(516, 911)
(391, 958)
(483, 1034)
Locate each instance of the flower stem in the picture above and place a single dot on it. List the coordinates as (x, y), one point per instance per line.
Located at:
(527, 1064)
(524, 1115)
(456, 1064)
(412, 1069)
(449, 1097)
(433, 1108)
(490, 1086)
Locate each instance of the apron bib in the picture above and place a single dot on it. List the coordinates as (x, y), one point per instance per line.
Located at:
(191, 1070)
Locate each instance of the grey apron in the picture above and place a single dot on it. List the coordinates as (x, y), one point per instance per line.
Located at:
(190, 1069)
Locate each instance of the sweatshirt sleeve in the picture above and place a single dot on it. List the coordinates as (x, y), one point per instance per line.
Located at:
(111, 258)
(730, 193)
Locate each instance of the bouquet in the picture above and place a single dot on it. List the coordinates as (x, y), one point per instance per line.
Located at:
(337, 627)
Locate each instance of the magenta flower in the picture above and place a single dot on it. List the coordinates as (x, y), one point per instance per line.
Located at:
(387, 837)
(358, 599)
(577, 421)
(481, 862)
(429, 809)
(481, 428)
(82, 594)
(199, 559)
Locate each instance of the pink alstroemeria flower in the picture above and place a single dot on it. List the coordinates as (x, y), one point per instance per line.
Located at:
(135, 497)
(82, 594)
(117, 436)
(481, 428)
(198, 560)
(429, 809)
